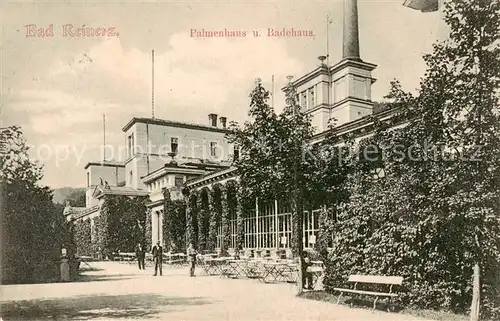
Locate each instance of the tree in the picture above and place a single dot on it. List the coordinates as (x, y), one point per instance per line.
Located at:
(272, 165)
(32, 228)
(259, 141)
(434, 212)
(271, 162)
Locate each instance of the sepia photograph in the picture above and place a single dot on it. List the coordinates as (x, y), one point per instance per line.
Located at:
(250, 160)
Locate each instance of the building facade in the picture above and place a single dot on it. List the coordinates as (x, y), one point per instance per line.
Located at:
(166, 158)
(160, 154)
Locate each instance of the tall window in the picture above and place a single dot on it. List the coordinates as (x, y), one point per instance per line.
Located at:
(88, 179)
(130, 146)
(174, 144)
(213, 149)
(130, 177)
(133, 144)
(311, 97)
(311, 228)
(303, 100)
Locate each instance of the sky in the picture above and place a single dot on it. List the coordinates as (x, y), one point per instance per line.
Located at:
(58, 87)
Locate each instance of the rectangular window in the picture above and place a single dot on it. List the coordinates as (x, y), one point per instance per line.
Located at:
(311, 98)
(133, 144)
(179, 181)
(174, 144)
(213, 149)
(129, 148)
(130, 178)
(88, 179)
(303, 101)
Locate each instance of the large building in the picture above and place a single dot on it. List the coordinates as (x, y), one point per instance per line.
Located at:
(159, 154)
(166, 156)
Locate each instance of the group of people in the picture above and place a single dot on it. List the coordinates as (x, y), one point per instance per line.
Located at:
(157, 252)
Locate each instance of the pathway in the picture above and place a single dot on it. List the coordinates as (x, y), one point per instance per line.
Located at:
(119, 291)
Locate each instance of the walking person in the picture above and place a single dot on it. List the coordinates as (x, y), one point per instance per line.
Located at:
(140, 254)
(157, 257)
(191, 253)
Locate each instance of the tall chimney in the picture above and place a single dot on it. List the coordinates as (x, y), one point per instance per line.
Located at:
(223, 121)
(212, 120)
(350, 47)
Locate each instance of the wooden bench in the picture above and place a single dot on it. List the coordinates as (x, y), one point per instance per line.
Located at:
(372, 279)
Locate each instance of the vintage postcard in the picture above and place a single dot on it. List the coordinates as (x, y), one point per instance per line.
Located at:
(250, 160)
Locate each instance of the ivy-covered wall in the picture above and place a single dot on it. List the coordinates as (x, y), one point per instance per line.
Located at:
(174, 226)
(83, 237)
(121, 225)
(149, 231)
(100, 250)
(124, 223)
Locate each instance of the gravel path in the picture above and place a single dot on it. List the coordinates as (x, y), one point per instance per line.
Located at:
(119, 291)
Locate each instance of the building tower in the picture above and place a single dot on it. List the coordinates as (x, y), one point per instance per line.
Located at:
(341, 91)
(351, 77)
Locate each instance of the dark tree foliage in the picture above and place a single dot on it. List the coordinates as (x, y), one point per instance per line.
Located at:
(428, 208)
(32, 227)
(271, 163)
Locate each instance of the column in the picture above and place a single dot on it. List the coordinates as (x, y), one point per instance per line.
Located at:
(190, 220)
(214, 218)
(166, 221)
(154, 227)
(276, 225)
(240, 230)
(160, 228)
(350, 45)
(149, 231)
(257, 236)
(201, 222)
(225, 220)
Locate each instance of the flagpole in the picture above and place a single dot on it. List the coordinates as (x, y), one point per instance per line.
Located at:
(153, 83)
(328, 21)
(272, 95)
(104, 137)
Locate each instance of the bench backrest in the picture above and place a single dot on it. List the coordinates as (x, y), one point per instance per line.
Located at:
(376, 279)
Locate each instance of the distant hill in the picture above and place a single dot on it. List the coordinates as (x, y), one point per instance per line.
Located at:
(62, 194)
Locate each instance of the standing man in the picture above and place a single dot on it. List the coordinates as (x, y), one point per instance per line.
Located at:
(307, 277)
(191, 253)
(157, 257)
(140, 254)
